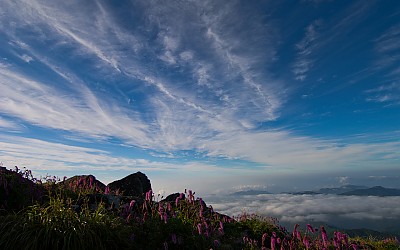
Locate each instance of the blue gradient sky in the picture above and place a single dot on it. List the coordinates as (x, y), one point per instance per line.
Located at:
(209, 95)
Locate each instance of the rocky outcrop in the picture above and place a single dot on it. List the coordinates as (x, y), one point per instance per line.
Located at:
(173, 197)
(83, 182)
(136, 185)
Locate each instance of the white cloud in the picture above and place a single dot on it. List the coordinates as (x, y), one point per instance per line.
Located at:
(343, 180)
(388, 41)
(279, 148)
(10, 125)
(53, 157)
(388, 94)
(45, 155)
(45, 106)
(26, 58)
(378, 213)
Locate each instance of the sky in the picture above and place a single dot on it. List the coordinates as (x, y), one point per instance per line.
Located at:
(204, 95)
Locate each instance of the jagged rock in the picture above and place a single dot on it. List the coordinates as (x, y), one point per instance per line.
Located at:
(136, 185)
(172, 197)
(83, 181)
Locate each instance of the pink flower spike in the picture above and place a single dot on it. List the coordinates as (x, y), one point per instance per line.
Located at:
(165, 217)
(131, 204)
(263, 239)
(169, 208)
(149, 195)
(306, 242)
(310, 228)
(324, 236)
(90, 181)
(273, 243)
(199, 228)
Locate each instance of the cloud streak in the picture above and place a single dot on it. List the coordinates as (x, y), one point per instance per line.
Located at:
(279, 148)
(306, 47)
(83, 112)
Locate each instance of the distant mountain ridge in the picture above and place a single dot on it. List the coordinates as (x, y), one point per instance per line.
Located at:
(340, 190)
(354, 190)
(374, 191)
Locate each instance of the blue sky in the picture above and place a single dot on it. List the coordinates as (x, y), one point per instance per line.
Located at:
(208, 95)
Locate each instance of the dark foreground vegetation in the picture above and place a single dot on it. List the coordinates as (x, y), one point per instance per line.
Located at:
(82, 213)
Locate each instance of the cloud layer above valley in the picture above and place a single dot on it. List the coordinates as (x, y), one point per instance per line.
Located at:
(379, 213)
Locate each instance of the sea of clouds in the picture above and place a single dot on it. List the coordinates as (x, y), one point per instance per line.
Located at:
(349, 212)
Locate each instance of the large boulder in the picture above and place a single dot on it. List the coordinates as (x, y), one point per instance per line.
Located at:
(136, 185)
(83, 182)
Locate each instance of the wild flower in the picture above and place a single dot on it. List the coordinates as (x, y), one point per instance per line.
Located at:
(169, 207)
(131, 204)
(199, 229)
(191, 196)
(90, 181)
(263, 239)
(306, 242)
(107, 190)
(354, 246)
(310, 228)
(324, 237)
(149, 195)
(345, 240)
(273, 241)
(165, 218)
(221, 228)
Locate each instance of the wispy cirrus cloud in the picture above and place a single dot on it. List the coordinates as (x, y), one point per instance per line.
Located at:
(81, 112)
(212, 103)
(387, 48)
(8, 124)
(306, 47)
(46, 155)
(388, 94)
